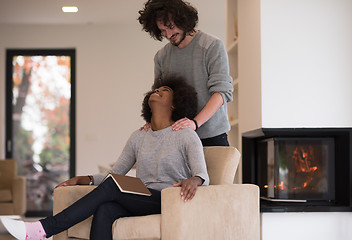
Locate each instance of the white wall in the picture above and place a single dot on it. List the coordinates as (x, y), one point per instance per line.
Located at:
(306, 226)
(114, 70)
(306, 56)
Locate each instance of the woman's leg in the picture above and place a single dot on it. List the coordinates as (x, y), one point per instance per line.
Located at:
(127, 205)
(87, 205)
(79, 210)
(104, 217)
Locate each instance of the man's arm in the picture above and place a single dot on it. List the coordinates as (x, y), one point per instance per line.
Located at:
(220, 86)
(203, 116)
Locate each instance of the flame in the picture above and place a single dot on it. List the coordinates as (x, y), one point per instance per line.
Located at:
(281, 186)
(303, 160)
(304, 164)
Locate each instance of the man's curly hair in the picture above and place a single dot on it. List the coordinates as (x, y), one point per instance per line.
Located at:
(181, 13)
(184, 98)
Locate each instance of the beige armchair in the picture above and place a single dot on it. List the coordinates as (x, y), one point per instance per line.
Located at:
(222, 210)
(12, 189)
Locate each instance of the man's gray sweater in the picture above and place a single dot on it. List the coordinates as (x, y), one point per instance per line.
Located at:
(204, 65)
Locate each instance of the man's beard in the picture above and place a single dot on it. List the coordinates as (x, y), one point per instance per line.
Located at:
(179, 42)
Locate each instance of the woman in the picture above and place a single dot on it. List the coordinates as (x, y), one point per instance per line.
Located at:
(163, 158)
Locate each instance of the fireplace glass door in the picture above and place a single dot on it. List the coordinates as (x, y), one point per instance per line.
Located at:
(297, 168)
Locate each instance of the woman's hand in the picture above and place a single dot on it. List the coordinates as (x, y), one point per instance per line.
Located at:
(189, 187)
(183, 123)
(71, 182)
(145, 127)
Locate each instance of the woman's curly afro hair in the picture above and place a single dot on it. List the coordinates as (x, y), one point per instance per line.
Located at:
(181, 13)
(184, 98)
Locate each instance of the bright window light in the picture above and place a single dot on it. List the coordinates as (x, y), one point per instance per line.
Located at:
(71, 9)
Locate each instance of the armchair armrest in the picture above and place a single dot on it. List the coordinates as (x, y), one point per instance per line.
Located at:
(19, 195)
(215, 212)
(69, 195)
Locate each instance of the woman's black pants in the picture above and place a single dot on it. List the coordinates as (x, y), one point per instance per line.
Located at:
(106, 203)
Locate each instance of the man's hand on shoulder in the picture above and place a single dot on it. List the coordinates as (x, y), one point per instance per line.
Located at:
(145, 127)
(184, 123)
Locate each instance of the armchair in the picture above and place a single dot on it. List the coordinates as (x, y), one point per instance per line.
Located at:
(12, 189)
(222, 210)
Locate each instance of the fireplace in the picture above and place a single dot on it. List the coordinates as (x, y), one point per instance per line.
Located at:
(300, 169)
(296, 169)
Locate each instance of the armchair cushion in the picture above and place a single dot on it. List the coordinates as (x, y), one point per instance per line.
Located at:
(5, 195)
(222, 164)
(12, 189)
(8, 170)
(145, 227)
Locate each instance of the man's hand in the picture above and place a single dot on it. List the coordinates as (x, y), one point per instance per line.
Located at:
(145, 127)
(189, 187)
(183, 123)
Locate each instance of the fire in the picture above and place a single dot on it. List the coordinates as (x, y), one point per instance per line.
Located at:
(303, 160)
(304, 164)
(305, 168)
(281, 186)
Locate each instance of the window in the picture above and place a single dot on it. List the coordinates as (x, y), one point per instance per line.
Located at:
(40, 121)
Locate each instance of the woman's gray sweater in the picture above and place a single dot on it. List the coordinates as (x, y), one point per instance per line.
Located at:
(162, 157)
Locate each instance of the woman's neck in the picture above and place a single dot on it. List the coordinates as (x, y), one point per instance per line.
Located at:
(160, 123)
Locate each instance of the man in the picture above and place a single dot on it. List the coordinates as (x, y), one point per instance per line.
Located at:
(198, 57)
